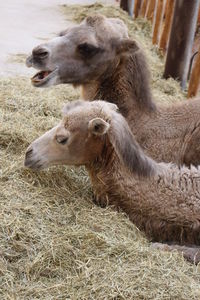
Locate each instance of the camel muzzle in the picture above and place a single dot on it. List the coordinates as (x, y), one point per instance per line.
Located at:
(29, 61)
(30, 162)
(40, 53)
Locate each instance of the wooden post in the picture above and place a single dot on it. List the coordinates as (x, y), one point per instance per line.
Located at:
(158, 19)
(150, 10)
(124, 5)
(143, 8)
(165, 9)
(195, 78)
(137, 8)
(127, 5)
(198, 20)
(167, 25)
(181, 40)
(131, 6)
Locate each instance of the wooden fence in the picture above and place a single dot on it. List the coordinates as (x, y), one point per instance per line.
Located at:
(174, 25)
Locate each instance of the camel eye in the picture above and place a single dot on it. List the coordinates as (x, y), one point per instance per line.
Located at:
(97, 127)
(88, 50)
(62, 140)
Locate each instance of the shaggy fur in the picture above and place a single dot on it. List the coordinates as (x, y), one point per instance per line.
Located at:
(113, 68)
(161, 199)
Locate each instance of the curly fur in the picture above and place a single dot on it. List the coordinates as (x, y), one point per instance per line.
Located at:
(162, 199)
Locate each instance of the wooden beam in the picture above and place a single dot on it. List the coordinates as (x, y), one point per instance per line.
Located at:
(165, 9)
(143, 8)
(127, 5)
(137, 8)
(131, 6)
(181, 40)
(124, 5)
(198, 20)
(158, 20)
(167, 25)
(150, 10)
(195, 78)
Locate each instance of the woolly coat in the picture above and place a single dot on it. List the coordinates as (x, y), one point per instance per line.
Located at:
(162, 199)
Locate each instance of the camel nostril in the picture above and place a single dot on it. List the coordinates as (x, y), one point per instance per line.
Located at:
(40, 53)
(28, 153)
(29, 61)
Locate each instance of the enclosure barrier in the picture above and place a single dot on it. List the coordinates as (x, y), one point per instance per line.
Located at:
(195, 78)
(157, 21)
(174, 25)
(167, 25)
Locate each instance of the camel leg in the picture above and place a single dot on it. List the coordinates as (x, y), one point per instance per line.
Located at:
(191, 254)
(100, 201)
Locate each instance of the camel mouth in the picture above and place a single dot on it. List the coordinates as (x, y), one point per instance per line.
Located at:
(35, 165)
(41, 78)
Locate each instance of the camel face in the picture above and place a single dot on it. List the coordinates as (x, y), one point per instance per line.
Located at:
(77, 140)
(81, 54)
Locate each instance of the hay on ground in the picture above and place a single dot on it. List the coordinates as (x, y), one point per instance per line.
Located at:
(54, 242)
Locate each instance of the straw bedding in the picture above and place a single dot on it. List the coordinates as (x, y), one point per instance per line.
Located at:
(54, 242)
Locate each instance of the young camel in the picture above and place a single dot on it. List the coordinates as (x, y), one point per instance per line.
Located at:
(98, 55)
(161, 199)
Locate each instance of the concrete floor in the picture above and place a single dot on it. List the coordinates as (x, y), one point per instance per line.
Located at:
(24, 24)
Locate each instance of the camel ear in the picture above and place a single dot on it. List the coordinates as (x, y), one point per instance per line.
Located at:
(98, 126)
(112, 106)
(126, 45)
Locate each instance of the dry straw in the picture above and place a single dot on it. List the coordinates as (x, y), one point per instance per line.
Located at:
(54, 242)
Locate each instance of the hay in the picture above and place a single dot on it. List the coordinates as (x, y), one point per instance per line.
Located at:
(54, 242)
(17, 58)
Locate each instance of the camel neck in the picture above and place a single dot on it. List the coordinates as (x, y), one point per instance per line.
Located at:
(111, 179)
(111, 183)
(127, 85)
(103, 175)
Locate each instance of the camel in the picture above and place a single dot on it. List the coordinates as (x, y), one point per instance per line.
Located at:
(162, 199)
(98, 55)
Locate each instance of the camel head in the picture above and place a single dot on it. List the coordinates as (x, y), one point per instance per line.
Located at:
(77, 140)
(86, 133)
(82, 53)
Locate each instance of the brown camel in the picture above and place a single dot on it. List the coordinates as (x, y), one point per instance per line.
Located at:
(162, 199)
(98, 55)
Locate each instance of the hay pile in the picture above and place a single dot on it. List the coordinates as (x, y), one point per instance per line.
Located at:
(54, 242)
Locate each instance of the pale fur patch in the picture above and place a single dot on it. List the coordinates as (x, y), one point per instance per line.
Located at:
(128, 150)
